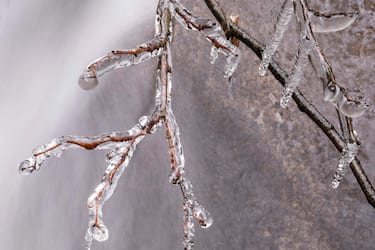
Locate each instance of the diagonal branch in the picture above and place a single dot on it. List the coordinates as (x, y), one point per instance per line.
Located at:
(302, 102)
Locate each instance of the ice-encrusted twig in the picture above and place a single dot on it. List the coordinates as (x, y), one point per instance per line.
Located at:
(213, 33)
(280, 27)
(119, 59)
(123, 144)
(347, 156)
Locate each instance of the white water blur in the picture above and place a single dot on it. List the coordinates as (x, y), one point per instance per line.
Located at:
(44, 46)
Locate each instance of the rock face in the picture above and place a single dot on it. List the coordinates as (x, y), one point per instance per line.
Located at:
(263, 172)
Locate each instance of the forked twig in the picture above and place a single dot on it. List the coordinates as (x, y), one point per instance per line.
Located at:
(123, 144)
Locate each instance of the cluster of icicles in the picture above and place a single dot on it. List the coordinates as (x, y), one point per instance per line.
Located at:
(311, 22)
(121, 145)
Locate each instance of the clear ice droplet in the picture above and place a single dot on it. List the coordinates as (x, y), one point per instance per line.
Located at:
(87, 82)
(27, 166)
(203, 216)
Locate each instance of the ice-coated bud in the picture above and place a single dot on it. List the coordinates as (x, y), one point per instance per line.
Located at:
(100, 232)
(88, 81)
(27, 166)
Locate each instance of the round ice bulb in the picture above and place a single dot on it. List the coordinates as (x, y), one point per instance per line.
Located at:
(87, 81)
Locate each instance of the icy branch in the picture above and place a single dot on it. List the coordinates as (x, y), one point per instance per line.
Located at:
(58, 145)
(119, 59)
(302, 102)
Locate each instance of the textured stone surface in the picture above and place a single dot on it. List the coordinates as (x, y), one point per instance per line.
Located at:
(264, 173)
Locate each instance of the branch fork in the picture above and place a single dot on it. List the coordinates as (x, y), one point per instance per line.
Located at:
(122, 145)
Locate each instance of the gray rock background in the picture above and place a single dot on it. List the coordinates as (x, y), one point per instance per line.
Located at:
(263, 173)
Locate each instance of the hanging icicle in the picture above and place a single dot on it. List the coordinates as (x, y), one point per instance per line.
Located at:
(347, 156)
(280, 27)
(300, 63)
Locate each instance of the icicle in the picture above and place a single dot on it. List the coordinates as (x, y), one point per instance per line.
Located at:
(226, 48)
(280, 27)
(214, 54)
(157, 25)
(347, 156)
(350, 108)
(331, 22)
(231, 65)
(301, 61)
